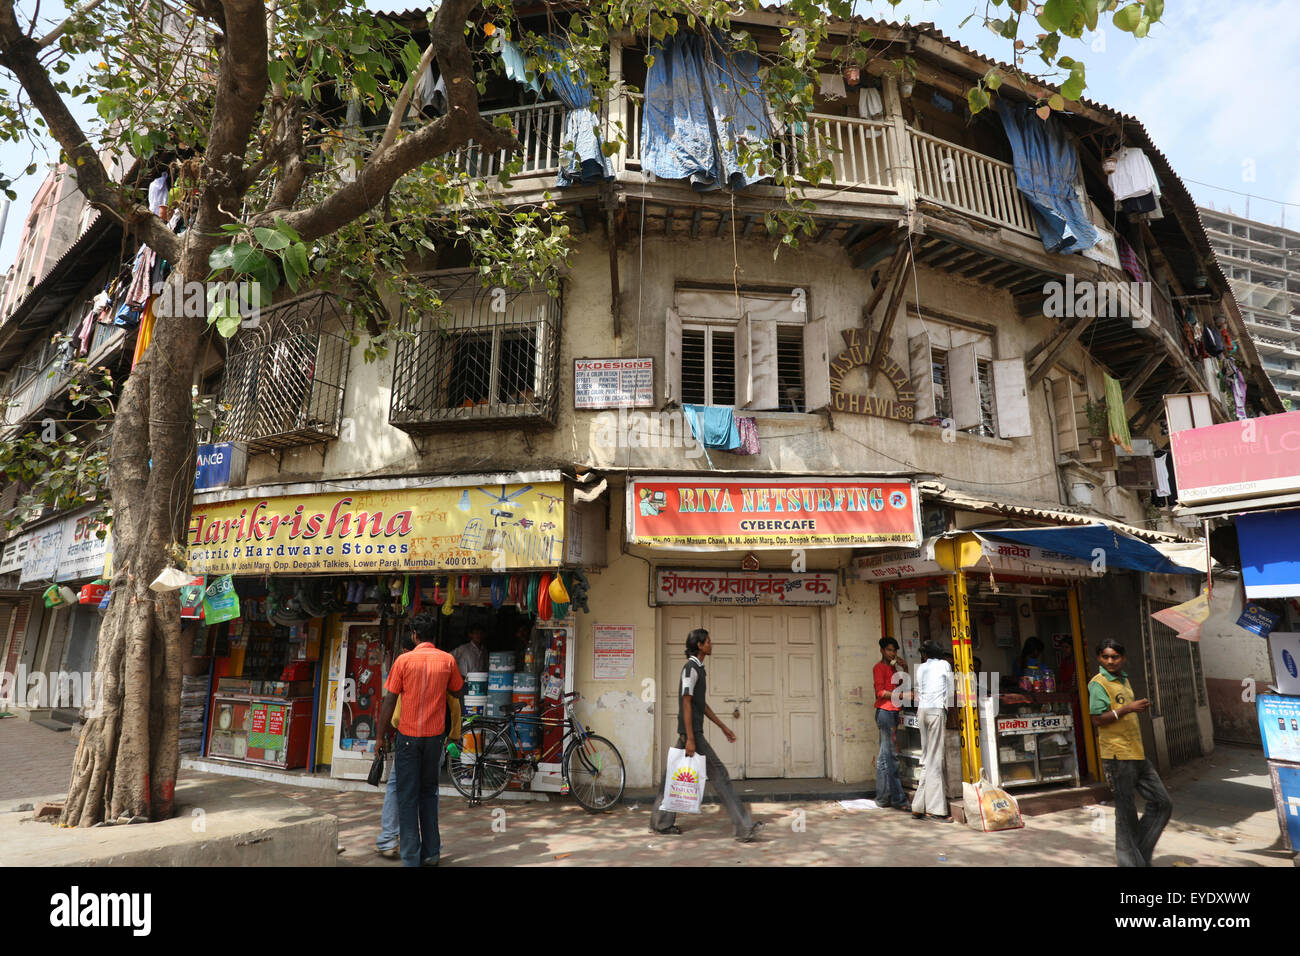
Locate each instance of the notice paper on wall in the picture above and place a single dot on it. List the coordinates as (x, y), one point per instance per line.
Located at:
(613, 648)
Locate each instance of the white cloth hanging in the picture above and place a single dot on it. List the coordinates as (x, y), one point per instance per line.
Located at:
(1162, 476)
(1133, 175)
(870, 105)
(831, 86)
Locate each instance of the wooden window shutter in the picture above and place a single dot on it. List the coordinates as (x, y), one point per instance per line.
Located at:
(1011, 398)
(1067, 432)
(922, 372)
(673, 357)
(744, 364)
(816, 364)
(963, 374)
(762, 364)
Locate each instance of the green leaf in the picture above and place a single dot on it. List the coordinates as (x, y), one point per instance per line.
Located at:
(977, 99)
(993, 79)
(287, 229)
(1128, 18)
(238, 258)
(107, 104)
(271, 238)
(1091, 9)
(295, 264)
(1052, 16)
(1056, 101)
(1155, 9)
(1144, 25)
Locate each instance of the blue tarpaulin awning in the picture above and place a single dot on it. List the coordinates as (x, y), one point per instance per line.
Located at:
(1090, 542)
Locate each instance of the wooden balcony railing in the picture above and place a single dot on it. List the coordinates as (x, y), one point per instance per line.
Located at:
(963, 179)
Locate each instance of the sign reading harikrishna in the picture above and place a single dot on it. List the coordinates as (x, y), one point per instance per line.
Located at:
(705, 514)
(487, 528)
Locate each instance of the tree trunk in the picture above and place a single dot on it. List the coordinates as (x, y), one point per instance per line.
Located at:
(127, 760)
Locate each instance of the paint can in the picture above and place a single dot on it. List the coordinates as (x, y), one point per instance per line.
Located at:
(476, 684)
(500, 681)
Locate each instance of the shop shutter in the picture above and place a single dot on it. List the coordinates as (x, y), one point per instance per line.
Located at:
(1067, 431)
(922, 372)
(673, 357)
(1011, 397)
(963, 373)
(816, 364)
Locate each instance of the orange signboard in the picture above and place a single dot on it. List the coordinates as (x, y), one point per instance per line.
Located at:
(710, 514)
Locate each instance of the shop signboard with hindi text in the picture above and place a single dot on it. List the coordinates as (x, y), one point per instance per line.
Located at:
(463, 528)
(1035, 724)
(702, 514)
(1006, 557)
(746, 587)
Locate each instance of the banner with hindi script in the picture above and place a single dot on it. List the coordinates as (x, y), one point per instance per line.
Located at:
(746, 587)
(702, 514)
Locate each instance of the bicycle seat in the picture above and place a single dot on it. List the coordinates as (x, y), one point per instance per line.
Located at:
(514, 707)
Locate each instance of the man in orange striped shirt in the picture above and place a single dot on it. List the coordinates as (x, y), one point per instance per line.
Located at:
(422, 677)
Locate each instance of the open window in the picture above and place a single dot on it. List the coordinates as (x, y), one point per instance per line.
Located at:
(756, 351)
(957, 379)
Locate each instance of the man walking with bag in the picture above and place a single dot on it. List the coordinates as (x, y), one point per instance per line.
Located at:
(422, 677)
(690, 737)
(1129, 773)
(934, 688)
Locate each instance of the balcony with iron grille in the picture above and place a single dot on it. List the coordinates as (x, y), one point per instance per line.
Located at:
(487, 359)
(285, 375)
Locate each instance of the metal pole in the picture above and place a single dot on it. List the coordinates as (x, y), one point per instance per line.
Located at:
(1081, 671)
(968, 725)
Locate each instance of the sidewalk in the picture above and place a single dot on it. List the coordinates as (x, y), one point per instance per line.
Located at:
(1223, 816)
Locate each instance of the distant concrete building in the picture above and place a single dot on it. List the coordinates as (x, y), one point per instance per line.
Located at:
(58, 215)
(1263, 264)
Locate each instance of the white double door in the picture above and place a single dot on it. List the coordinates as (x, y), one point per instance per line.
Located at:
(764, 682)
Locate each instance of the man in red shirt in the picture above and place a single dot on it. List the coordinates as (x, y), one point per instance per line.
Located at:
(423, 677)
(889, 789)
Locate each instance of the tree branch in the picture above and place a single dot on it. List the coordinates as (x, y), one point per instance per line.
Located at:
(58, 31)
(20, 57)
(399, 108)
(388, 164)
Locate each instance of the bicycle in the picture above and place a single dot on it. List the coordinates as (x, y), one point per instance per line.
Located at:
(485, 763)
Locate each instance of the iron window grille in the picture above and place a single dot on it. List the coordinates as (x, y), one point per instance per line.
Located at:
(285, 377)
(492, 358)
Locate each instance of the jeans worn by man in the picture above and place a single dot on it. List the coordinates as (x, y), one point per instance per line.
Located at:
(889, 788)
(717, 778)
(388, 821)
(417, 762)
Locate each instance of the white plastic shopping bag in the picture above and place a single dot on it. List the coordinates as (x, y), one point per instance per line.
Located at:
(684, 782)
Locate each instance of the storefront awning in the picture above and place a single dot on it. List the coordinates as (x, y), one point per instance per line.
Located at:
(1270, 553)
(1090, 542)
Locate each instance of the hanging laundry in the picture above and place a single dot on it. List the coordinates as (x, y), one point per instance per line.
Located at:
(512, 59)
(748, 429)
(870, 105)
(430, 94)
(1239, 391)
(1116, 419)
(137, 294)
(1129, 260)
(86, 330)
(158, 194)
(1211, 340)
(1133, 175)
(1047, 166)
(1163, 492)
(586, 161)
(831, 86)
(145, 335)
(714, 426)
(802, 89)
(1139, 204)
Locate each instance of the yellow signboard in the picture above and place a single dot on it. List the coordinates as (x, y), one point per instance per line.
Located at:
(482, 528)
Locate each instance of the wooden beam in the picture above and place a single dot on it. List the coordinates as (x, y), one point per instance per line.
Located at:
(872, 239)
(582, 220)
(695, 221)
(827, 230)
(1139, 379)
(899, 280)
(722, 223)
(1058, 349)
(668, 220)
(869, 309)
(749, 224)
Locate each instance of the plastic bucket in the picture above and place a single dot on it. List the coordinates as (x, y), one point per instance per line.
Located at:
(528, 699)
(501, 661)
(473, 705)
(476, 684)
(500, 681)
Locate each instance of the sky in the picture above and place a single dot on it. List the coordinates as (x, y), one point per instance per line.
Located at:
(1212, 85)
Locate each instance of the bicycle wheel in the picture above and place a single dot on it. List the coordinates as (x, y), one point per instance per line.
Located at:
(485, 751)
(593, 769)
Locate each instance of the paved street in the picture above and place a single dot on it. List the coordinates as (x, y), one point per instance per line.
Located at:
(1223, 816)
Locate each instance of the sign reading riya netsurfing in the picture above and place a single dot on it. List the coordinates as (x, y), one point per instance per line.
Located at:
(698, 514)
(495, 527)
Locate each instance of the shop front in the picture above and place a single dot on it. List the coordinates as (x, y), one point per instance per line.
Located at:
(760, 565)
(1007, 604)
(319, 589)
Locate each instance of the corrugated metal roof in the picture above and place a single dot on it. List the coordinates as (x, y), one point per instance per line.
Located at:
(935, 491)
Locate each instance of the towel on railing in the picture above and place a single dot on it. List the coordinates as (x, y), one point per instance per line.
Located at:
(714, 426)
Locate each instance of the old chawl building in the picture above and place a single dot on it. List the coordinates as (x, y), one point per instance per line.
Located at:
(887, 409)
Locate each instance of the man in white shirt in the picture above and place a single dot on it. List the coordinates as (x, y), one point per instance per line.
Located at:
(934, 688)
(471, 657)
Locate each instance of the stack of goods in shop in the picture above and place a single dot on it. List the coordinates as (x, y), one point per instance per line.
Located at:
(500, 688)
(194, 701)
(476, 689)
(528, 737)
